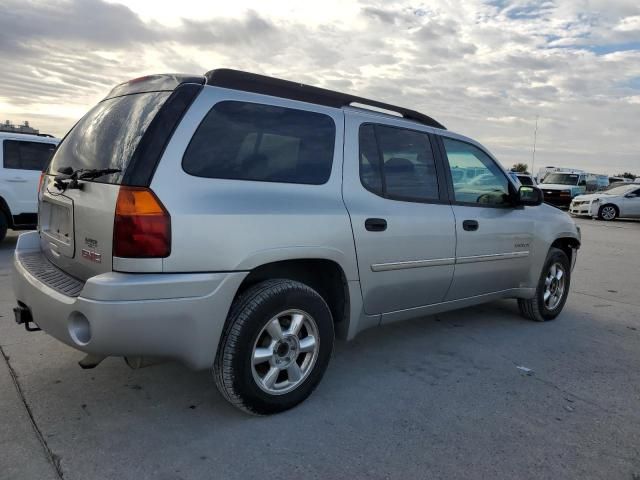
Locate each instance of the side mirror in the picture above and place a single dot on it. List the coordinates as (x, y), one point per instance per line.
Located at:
(530, 196)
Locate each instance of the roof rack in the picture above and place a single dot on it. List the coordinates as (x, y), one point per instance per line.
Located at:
(252, 82)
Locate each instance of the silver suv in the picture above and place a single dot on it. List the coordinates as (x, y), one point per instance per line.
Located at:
(239, 222)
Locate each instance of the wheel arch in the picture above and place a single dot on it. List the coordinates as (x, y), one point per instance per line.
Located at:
(4, 208)
(326, 276)
(569, 245)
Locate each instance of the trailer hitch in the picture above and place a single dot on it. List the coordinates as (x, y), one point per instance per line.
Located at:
(23, 316)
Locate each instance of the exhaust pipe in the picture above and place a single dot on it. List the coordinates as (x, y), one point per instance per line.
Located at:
(140, 362)
(91, 361)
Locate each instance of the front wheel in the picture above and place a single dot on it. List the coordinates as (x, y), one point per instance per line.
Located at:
(552, 290)
(275, 348)
(608, 212)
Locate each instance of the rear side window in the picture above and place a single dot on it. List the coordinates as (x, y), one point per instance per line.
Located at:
(397, 163)
(107, 136)
(250, 141)
(27, 155)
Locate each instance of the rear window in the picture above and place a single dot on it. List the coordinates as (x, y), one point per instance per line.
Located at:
(21, 155)
(250, 141)
(107, 136)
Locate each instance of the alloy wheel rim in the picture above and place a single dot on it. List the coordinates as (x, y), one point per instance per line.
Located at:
(554, 286)
(285, 352)
(609, 213)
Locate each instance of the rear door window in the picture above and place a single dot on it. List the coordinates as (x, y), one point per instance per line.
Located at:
(251, 141)
(397, 163)
(21, 155)
(108, 134)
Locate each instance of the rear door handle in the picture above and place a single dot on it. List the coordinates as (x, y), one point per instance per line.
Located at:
(470, 225)
(375, 224)
(17, 180)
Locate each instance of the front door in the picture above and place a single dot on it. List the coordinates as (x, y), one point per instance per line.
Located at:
(494, 239)
(631, 205)
(403, 227)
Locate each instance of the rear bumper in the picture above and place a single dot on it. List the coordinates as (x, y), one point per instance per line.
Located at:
(178, 316)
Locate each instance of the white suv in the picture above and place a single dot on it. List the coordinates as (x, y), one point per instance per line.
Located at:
(22, 160)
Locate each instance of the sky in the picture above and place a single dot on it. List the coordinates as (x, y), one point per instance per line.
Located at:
(483, 68)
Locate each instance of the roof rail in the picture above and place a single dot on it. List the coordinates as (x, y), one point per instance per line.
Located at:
(252, 82)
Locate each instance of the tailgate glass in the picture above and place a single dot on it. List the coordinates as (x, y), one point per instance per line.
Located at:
(108, 134)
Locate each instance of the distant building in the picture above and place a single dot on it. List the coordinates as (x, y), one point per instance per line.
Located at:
(7, 126)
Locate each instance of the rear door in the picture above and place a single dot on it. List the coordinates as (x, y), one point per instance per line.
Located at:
(22, 162)
(494, 239)
(402, 225)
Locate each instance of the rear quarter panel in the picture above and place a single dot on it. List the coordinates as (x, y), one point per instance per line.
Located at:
(231, 225)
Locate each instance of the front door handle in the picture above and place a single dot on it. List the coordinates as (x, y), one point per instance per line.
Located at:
(470, 225)
(375, 224)
(17, 180)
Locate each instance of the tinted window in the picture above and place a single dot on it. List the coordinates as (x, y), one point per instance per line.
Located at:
(397, 163)
(525, 180)
(27, 155)
(249, 141)
(107, 136)
(476, 177)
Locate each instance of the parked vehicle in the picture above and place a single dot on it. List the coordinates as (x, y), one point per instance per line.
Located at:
(613, 180)
(526, 179)
(22, 159)
(620, 201)
(560, 187)
(602, 182)
(215, 220)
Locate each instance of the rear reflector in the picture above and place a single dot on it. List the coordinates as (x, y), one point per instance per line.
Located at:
(142, 226)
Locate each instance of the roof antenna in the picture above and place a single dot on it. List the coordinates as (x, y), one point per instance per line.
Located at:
(533, 157)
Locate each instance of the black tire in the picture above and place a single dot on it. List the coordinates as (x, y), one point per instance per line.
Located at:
(4, 225)
(250, 313)
(535, 308)
(610, 207)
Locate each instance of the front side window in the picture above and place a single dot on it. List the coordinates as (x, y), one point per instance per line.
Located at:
(476, 177)
(397, 163)
(250, 141)
(22, 155)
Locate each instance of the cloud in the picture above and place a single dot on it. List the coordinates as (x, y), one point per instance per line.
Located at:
(482, 68)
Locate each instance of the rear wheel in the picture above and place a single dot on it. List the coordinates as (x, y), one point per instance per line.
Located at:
(552, 290)
(4, 225)
(608, 212)
(275, 348)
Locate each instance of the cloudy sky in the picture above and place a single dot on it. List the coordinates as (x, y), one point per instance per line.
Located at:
(483, 68)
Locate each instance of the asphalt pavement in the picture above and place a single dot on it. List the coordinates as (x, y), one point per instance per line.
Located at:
(476, 393)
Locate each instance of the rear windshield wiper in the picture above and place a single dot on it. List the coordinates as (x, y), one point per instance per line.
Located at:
(68, 178)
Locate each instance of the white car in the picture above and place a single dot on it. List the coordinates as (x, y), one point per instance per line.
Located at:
(622, 201)
(22, 159)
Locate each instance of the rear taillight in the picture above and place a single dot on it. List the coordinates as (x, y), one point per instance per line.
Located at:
(142, 226)
(40, 183)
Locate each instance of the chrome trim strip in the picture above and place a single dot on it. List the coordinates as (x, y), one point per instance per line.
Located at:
(383, 267)
(436, 262)
(492, 257)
